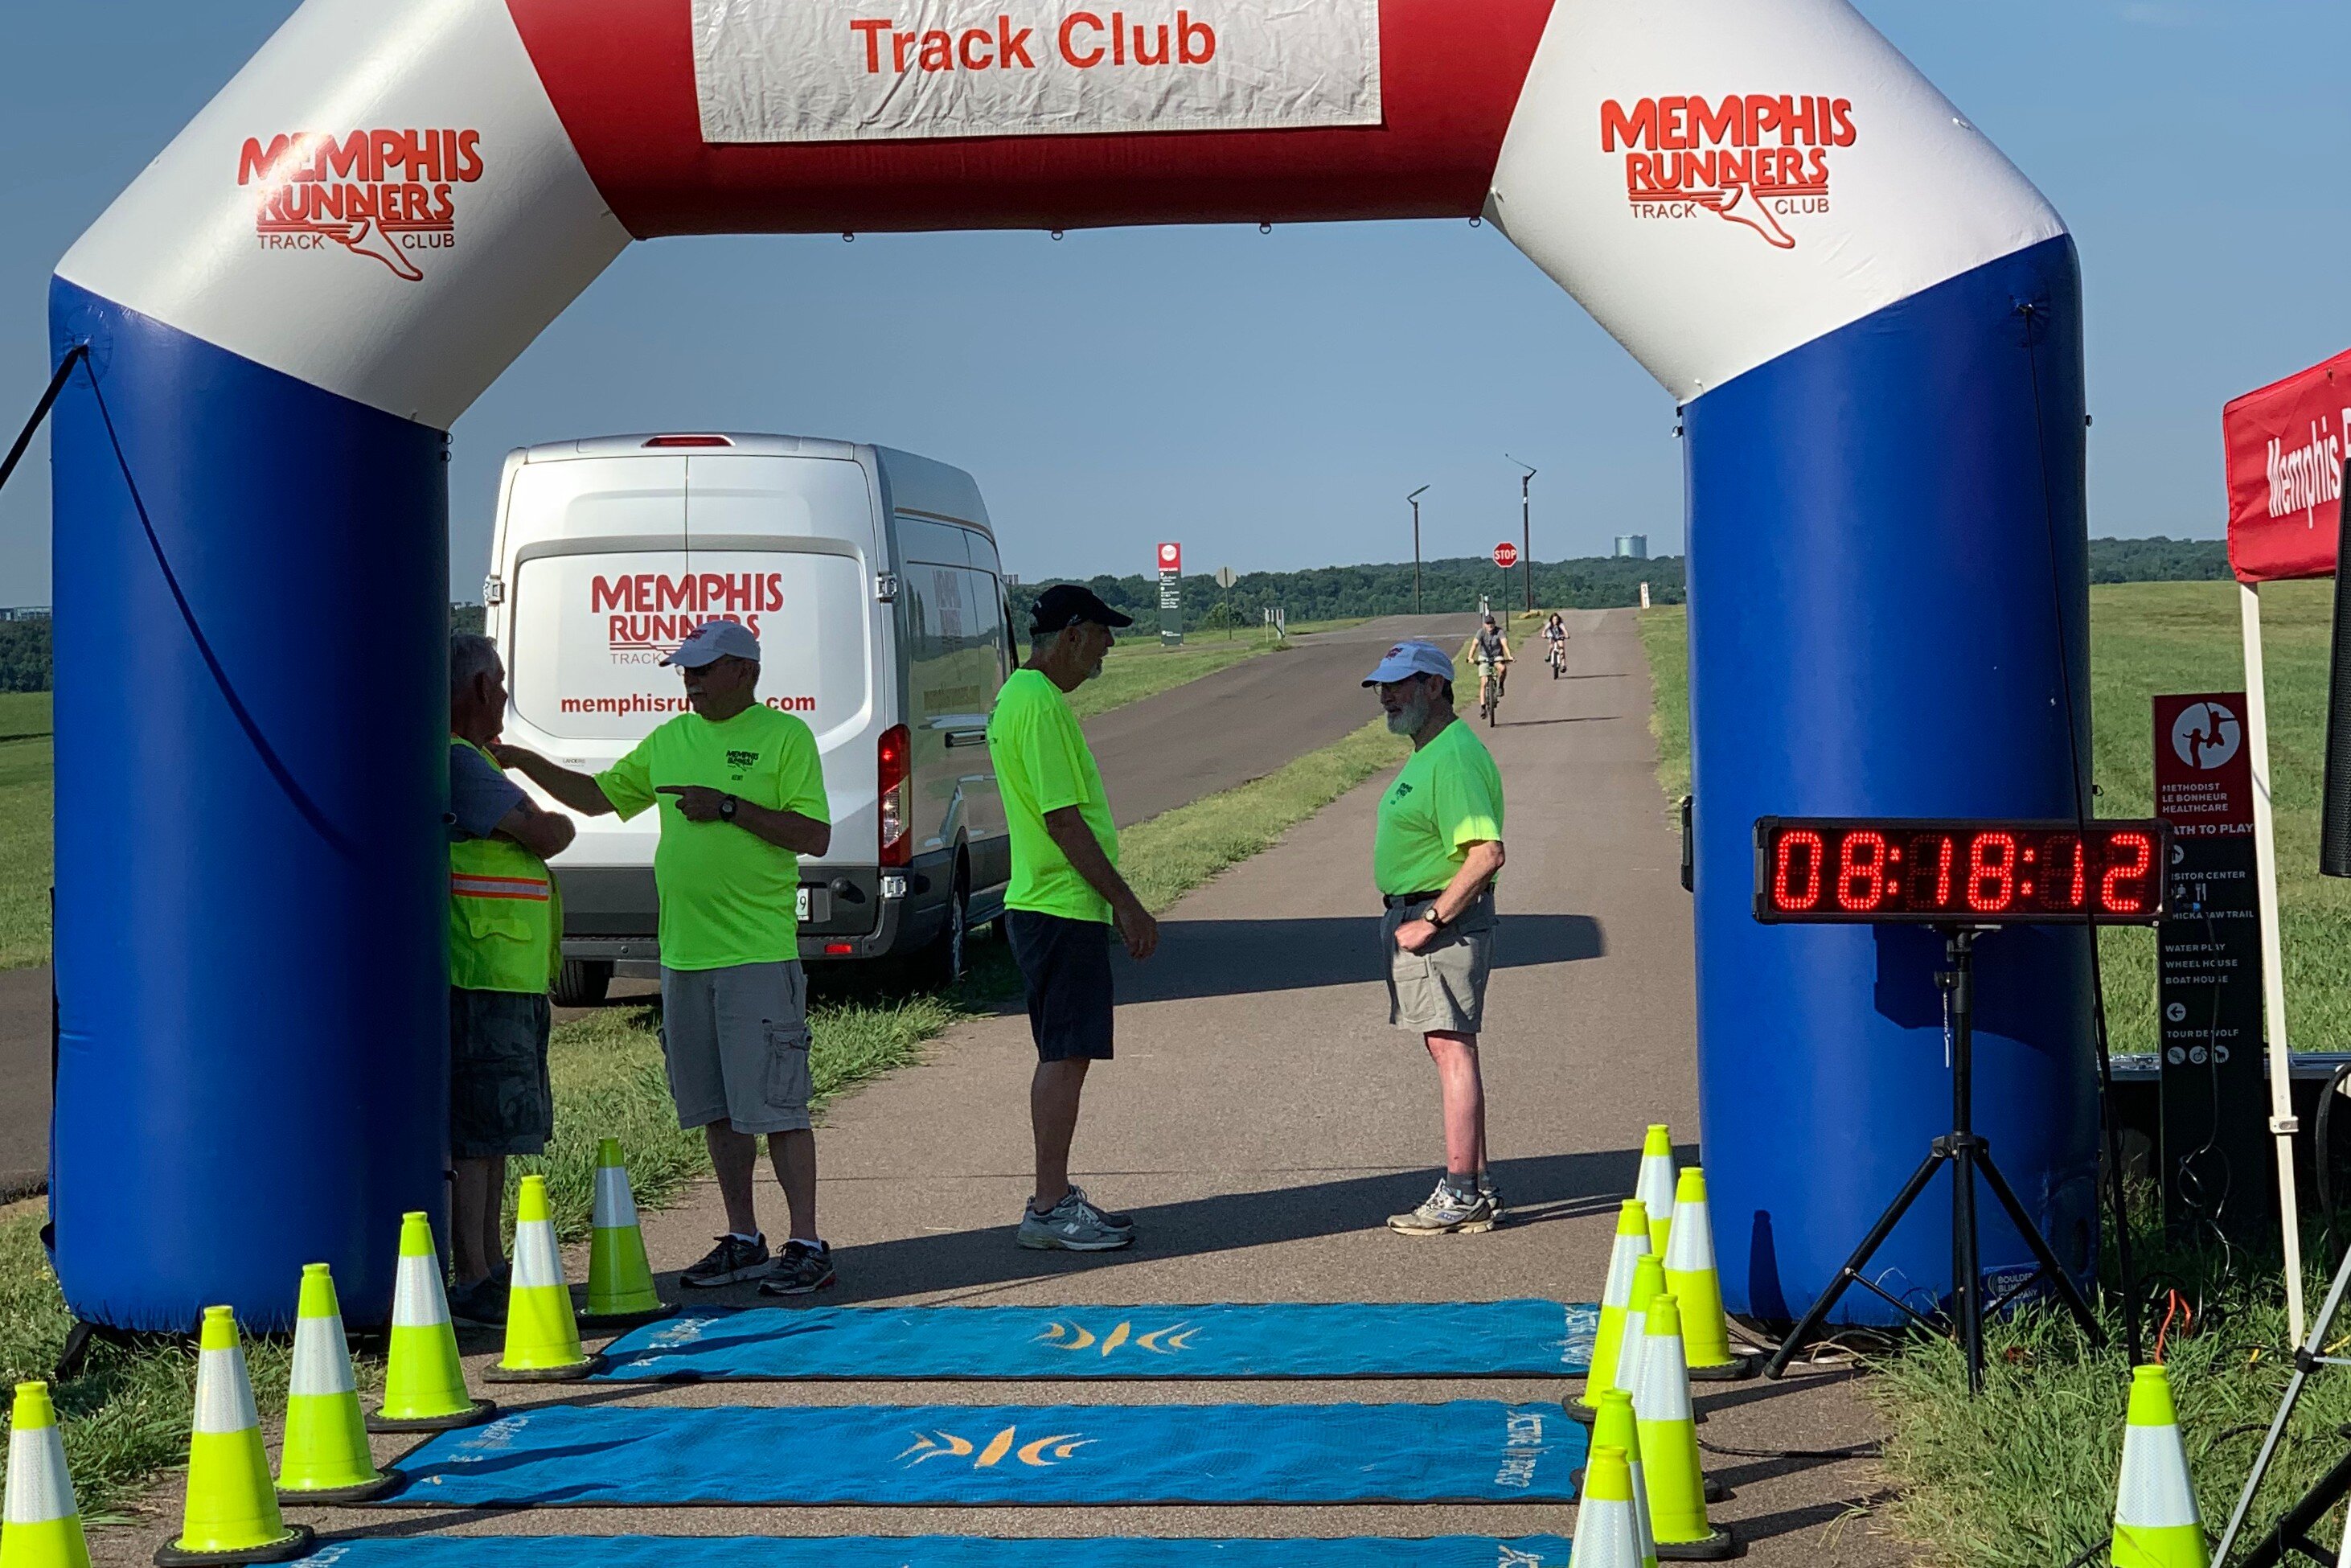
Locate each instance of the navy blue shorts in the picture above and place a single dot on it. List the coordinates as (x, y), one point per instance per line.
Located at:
(1065, 966)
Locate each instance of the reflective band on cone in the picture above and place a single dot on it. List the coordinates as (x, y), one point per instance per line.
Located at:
(232, 1510)
(1669, 1462)
(1648, 1284)
(325, 1456)
(2156, 1521)
(1615, 1429)
(1691, 1276)
(1632, 1239)
(542, 1334)
(423, 1382)
(1654, 1188)
(620, 1279)
(1605, 1533)
(41, 1525)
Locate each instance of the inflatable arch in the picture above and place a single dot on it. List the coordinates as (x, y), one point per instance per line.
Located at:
(1871, 321)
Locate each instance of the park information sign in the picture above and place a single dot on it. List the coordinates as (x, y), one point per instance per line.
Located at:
(2209, 978)
(1171, 595)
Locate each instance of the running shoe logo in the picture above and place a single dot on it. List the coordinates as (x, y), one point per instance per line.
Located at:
(1039, 1453)
(1172, 1340)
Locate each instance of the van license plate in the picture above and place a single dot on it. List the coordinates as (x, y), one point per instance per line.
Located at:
(802, 908)
(814, 904)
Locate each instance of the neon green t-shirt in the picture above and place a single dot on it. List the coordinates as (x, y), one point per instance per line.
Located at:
(1042, 764)
(728, 895)
(1448, 797)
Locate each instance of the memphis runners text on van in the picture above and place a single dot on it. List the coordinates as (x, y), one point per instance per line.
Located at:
(652, 612)
(1753, 158)
(387, 194)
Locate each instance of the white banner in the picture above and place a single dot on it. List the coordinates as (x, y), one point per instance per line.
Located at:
(858, 70)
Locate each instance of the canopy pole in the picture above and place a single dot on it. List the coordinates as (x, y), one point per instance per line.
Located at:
(2282, 1125)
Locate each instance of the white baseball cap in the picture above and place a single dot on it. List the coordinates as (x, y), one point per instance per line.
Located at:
(713, 641)
(1413, 658)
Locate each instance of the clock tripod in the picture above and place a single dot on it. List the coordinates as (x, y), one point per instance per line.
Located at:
(1969, 1156)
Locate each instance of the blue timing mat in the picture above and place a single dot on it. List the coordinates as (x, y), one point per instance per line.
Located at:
(932, 1552)
(1455, 1339)
(558, 1455)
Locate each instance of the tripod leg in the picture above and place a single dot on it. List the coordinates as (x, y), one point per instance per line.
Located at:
(2041, 1254)
(1817, 1313)
(2292, 1532)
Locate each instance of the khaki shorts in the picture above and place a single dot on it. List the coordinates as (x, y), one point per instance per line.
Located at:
(736, 1041)
(1440, 989)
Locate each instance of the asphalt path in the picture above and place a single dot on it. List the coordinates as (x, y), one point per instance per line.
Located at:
(1260, 1121)
(1248, 719)
(1211, 733)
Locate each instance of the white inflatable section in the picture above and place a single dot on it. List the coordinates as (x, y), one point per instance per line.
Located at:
(347, 305)
(1701, 292)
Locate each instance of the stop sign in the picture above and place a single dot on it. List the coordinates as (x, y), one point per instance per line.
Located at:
(1506, 555)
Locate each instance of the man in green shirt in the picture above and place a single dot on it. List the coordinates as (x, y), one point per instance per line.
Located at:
(1435, 855)
(1065, 889)
(740, 786)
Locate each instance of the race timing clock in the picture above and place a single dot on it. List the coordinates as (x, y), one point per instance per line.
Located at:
(1867, 871)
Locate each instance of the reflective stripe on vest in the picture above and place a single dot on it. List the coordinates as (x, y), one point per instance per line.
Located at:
(505, 915)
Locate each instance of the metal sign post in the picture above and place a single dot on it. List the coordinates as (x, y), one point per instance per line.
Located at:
(1171, 596)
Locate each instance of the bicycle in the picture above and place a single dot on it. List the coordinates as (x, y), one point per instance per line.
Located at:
(1493, 675)
(1556, 656)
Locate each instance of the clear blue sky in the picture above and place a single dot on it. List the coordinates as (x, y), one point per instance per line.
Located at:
(1268, 399)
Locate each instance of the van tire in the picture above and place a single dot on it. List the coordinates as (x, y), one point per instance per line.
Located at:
(582, 982)
(941, 963)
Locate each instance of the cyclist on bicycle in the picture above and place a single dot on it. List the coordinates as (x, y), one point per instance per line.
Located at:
(1556, 642)
(1493, 655)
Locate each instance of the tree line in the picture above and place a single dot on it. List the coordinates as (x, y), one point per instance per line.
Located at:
(1333, 592)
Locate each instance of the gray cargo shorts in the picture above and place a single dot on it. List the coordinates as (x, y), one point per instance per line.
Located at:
(736, 1041)
(501, 1101)
(1441, 988)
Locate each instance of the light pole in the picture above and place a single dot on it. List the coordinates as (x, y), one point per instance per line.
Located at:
(1526, 531)
(1415, 499)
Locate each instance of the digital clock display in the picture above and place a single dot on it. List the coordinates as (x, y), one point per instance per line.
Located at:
(1857, 870)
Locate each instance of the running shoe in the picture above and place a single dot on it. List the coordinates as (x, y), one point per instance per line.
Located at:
(732, 1259)
(805, 1269)
(1446, 1212)
(482, 1303)
(1073, 1226)
(1114, 1220)
(1492, 1194)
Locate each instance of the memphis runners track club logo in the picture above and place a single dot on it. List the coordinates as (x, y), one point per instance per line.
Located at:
(389, 196)
(1752, 159)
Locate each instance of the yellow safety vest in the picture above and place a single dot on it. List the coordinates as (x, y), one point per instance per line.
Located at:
(506, 918)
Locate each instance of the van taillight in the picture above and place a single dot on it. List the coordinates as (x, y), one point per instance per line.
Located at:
(894, 785)
(689, 441)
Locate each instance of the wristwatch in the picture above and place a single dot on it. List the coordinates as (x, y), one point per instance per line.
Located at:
(726, 808)
(1435, 920)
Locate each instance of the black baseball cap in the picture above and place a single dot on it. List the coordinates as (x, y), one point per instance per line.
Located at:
(1066, 605)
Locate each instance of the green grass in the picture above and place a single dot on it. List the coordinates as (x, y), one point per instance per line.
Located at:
(25, 810)
(1175, 852)
(2024, 1477)
(1141, 668)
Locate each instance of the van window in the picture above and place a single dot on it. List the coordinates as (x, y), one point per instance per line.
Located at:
(590, 631)
(953, 632)
(983, 554)
(934, 543)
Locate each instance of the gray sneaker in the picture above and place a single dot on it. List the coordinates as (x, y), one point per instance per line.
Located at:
(1445, 1212)
(1492, 1193)
(1110, 1219)
(1073, 1226)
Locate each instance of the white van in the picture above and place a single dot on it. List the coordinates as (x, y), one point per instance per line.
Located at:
(871, 577)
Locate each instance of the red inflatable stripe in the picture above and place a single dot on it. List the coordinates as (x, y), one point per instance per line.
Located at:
(621, 73)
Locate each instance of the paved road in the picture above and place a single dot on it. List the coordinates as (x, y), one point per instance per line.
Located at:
(1260, 1121)
(1245, 721)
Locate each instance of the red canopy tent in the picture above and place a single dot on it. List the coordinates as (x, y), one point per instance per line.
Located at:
(2285, 449)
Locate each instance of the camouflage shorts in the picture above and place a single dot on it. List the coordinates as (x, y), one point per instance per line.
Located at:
(499, 1100)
